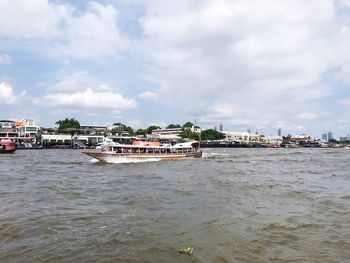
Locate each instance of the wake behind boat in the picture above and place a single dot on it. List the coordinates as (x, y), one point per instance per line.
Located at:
(142, 151)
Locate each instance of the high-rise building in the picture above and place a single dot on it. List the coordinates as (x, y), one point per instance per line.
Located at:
(345, 138)
(221, 127)
(249, 130)
(279, 132)
(330, 136)
(324, 136)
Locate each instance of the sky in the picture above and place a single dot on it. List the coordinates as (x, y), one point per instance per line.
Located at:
(259, 65)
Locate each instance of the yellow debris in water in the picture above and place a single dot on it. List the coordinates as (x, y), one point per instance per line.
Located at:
(188, 250)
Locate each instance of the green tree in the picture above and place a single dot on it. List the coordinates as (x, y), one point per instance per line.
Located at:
(122, 128)
(141, 132)
(151, 128)
(187, 125)
(187, 133)
(172, 126)
(211, 134)
(68, 125)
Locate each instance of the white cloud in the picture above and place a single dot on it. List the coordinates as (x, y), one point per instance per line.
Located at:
(31, 18)
(242, 60)
(344, 102)
(7, 96)
(344, 2)
(5, 59)
(305, 116)
(77, 81)
(89, 101)
(94, 34)
(62, 31)
(344, 74)
(148, 95)
(236, 62)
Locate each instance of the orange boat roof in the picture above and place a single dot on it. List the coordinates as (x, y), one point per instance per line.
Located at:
(141, 143)
(19, 123)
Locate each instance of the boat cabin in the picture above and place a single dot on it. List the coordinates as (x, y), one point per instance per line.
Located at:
(136, 149)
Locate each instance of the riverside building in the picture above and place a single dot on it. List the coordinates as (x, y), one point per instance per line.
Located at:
(8, 129)
(246, 137)
(167, 134)
(27, 127)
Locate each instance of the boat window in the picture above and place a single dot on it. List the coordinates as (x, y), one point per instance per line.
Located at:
(118, 150)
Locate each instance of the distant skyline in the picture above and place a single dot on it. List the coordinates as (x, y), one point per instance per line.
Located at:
(262, 65)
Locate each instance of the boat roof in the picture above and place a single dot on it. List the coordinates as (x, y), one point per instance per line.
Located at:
(7, 121)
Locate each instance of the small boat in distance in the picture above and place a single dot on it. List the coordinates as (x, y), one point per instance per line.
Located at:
(7, 145)
(142, 151)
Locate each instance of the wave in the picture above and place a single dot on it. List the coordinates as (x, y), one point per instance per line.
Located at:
(122, 160)
(207, 155)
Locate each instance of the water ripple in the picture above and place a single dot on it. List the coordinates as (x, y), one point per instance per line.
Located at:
(233, 205)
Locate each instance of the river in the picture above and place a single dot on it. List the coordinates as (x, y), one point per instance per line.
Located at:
(232, 205)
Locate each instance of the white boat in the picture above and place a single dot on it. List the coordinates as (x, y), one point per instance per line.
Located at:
(106, 142)
(146, 151)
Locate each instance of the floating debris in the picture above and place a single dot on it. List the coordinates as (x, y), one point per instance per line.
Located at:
(188, 250)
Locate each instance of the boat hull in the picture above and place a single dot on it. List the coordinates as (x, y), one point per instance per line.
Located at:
(7, 148)
(116, 158)
(8, 151)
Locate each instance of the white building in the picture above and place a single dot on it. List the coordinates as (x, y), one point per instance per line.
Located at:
(27, 127)
(8, 128)
(67, 138)
(167, 134)
(273, 140)
(247, 137)
(195, 129)
(243, 137)
(94, 127)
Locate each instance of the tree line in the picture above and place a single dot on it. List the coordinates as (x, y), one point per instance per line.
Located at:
(73, 126)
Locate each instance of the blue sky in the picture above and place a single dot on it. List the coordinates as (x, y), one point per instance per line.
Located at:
(246, 64)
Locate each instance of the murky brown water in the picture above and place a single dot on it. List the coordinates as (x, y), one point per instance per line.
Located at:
(233, 205)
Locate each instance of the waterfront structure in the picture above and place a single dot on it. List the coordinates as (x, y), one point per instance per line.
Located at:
(140, 152)
(94, 127)
(8, 129)
(245, 137)
(98, 128)
(167, 134)
(273, 140)
(67, 139)
(27, 128)
(300, 137)
(252, 138)
(48, 139)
